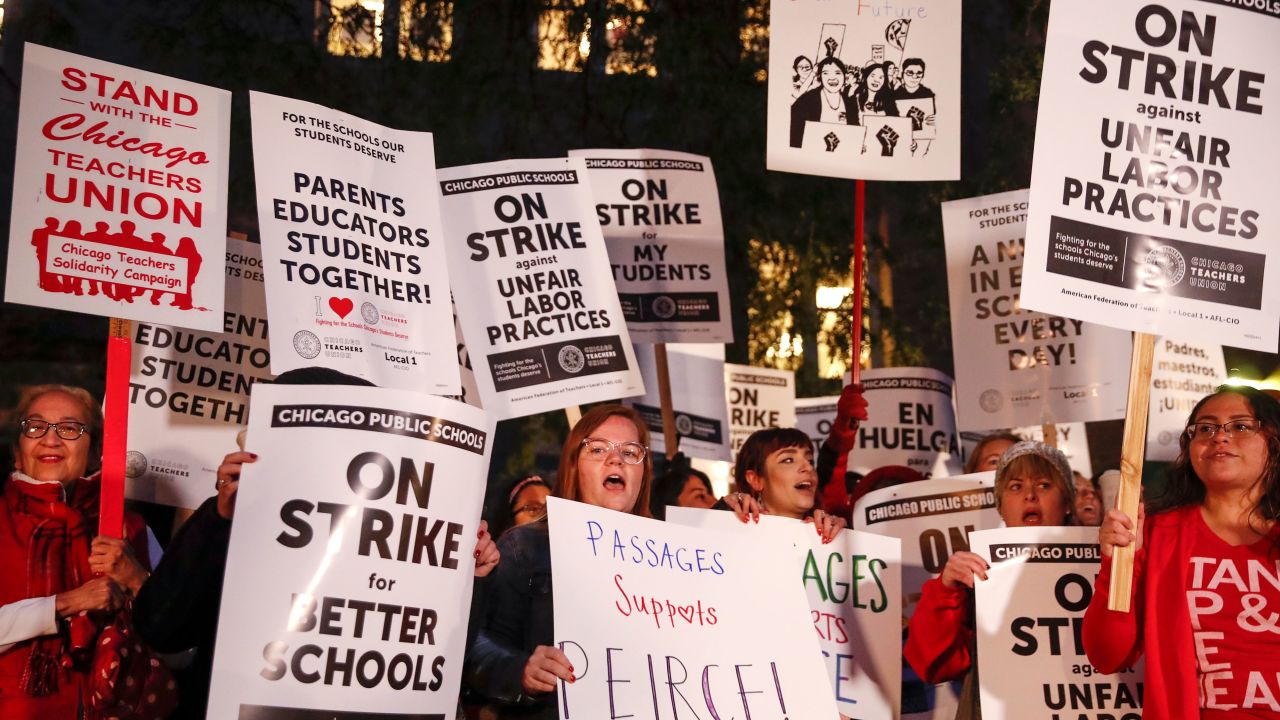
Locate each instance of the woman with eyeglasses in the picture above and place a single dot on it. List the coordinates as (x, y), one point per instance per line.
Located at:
(1205, 603)
(57, 581)
(511, 662)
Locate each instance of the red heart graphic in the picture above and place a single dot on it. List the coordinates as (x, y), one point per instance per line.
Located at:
(341, 306)
(688, 616)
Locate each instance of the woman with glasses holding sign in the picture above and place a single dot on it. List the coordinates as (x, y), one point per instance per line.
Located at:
(1205, 603)
(59, 582)
(511, 661)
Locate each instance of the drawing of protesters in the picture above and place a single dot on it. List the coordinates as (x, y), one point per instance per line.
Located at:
(873, 97)
(187, 249)
(49, 282)
(156, 246)
(802, 76)
(73, 284)
(825, 103)
(913, 89)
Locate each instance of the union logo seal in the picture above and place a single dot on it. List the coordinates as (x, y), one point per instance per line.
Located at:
(369, 312)
(991, 400)
(571, 359)
(135, 464)
(664, 307)
(1163, 267)
(306, 344)
(684, 424)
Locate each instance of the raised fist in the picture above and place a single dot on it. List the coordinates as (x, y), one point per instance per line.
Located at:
(888, 140)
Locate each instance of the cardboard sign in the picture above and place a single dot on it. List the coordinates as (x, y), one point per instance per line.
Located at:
(1016, 366)
(815, 416)
(1151, 194)
(349, 573)
(911, 421)
(660, 215)
(663, 620)
(1031, 663)
(1182, 373)
(759, 398)
(857, 90)
(854, 585)
(698, 399)
(539, 308)
(1073, 441)
(933, 519)
(119, 192)
(353, 247)
(189, 391)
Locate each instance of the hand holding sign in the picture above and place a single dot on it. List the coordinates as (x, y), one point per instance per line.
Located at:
(1119, 530)
(961, 568)
(851, 411)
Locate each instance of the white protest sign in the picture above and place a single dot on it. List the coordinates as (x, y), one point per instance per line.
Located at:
(189, 391)
(858, 90)
(656, 616)
(352, 246)
(759, 398)
(1182, 373)
(698, 399)
(815, 416)
(539, 309)
(933, 519)
(911, 421)
(660, 214)
(854, 585)
(1016, 366)
(119, 192)
(470, 390)
(1028, 614)
(1152, 206)
(349, 573)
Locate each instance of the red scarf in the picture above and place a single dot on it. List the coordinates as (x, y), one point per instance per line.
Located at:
(53, 532)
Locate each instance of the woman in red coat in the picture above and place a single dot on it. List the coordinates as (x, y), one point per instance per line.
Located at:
(50, 598)
(1206, 575)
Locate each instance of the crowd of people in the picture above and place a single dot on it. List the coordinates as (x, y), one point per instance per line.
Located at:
(832, 91)
(91, 627)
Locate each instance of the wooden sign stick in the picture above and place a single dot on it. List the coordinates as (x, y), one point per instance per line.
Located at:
(1135, 440)
(859, 274)
(670, 438)
(574, 414)
(1050, 432)
(115, 429)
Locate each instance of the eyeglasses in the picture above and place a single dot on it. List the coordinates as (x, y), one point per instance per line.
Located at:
(913, 73)
(67, 430)
(1233, 428)
(632, 453)
(536, 508)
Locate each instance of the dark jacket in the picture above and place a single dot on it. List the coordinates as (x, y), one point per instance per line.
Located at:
(517, 617)
(177, 607)
(809, 107)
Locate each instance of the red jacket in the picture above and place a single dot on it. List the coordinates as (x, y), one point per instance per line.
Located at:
(940, 634)
(1114, 640)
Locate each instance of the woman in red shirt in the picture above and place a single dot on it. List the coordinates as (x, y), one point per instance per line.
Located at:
(1206, 573)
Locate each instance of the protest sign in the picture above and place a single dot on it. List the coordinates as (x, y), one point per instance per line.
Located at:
(470, 390)
(349, 572)
(119, 192)
(933, 519)
(857, 90)
(660, 214)
(1151, 182)
(854, 585)
(911, 421)
(658, 619)
(759, 398)
(698, 395)
(1028, 614)
(539, 309)
(1030, 367)
(1182, 373)
(815, 416)
(352, 246)
(189, 390)
(1073, 441)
